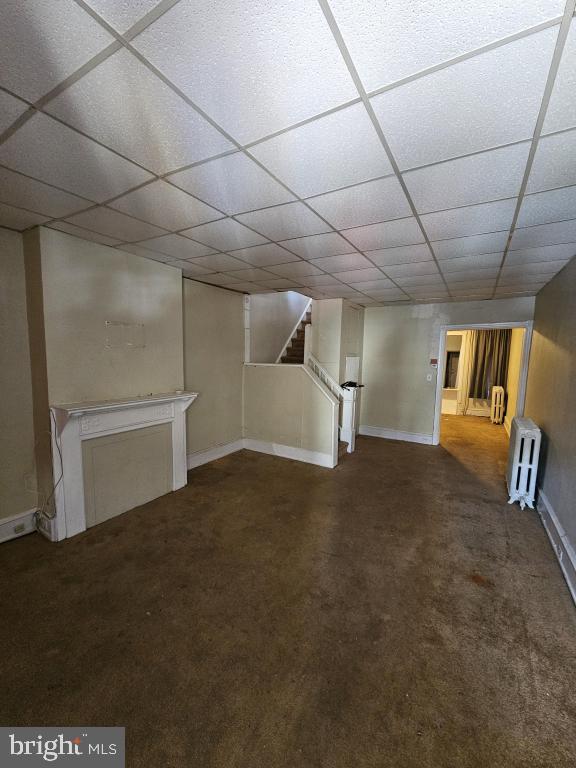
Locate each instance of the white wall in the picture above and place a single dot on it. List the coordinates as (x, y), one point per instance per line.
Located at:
(213, 359)
(17, 465)
(337, 331)
(272, 320)
(514, 369)
(285, 408)
(399, 343)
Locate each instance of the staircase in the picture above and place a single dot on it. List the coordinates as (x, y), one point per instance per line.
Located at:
(294, 354)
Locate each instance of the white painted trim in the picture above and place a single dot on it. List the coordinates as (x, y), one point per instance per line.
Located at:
(526, 324)
(289, 452)
(289, 339)
(8, 524)
(393, 434)
(559, 540)
(507, 425)
(198, 458)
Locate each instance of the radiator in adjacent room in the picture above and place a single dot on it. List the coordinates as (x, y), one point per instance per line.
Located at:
(523, 461)
(497, 408)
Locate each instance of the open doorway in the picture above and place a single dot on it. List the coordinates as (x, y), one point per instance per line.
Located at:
(481, 385)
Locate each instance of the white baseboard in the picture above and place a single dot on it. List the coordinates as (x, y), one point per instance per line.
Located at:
(211, 454)
(289, 452)
(393, 434)
(561, 545)
(17, 525)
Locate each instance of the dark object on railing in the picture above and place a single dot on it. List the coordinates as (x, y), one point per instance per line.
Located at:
(351, 385)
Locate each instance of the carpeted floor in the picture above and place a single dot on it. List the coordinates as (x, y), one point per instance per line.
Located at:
(393, 612)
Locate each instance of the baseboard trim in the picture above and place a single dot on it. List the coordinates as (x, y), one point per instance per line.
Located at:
(17, 525)
(393, 434)
(290, 452)
(561, 545)
(198, 458)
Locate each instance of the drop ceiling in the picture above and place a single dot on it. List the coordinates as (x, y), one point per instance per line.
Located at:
(377, 150)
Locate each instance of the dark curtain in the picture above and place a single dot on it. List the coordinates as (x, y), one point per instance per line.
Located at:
(490, 362)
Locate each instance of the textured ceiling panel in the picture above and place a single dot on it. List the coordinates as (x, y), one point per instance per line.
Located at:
(284, 221)
(234, 183)
(332, 152)
(17, 218)
(544, 207)
(254, 66)
(386, 235)
(49, 151)
(367, 203)
(114, 224)
(541, 254)
(162, 204)
(474, 94)
(25, 192)
(123, 105)
(122, 14)
(177, 247)
(562, 107)
(43, 42)
(555, 162)
(422, 33)
(468, 180)
(225, 235)
(265, 255)
(470, 220)
(315, 246)
(10, 110)
(470, 246)
(545, 234)
(403, 254)
(343, 262)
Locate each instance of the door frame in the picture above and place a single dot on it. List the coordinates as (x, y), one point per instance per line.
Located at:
(527, 325)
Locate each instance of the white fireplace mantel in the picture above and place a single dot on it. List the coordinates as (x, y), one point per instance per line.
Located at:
(72, 423)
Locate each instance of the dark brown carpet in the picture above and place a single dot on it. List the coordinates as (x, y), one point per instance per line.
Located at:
(394, 611)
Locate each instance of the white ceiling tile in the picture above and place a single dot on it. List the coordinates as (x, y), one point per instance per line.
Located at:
(414, 268)
(544, 234)
(247, 288)
(10, 110)
(311, 293)
(394, 294)
(343, 262)
(297, 269)
(419, 34)
(525, 270)
(114, 224)
(316, 246)
(24, 192)
(545, 207)
(234, 184)
(50, 151)
(403, 254)
(219, 262)
(320, 280)
(470, 246)
(507, 293)
(162, 204)
(251, 274)
(555, 162)
(367, 203)
(468, 180)
(264, 255)
(386, 235)
(471, 262)
(126, 107)
(360, 275)
(122, 14)
(177, 247)
(220, 279)
(419, 281)
(280, 283)
(474, 95)
(18, 218)
(284, 221)
(470, 220)
(541, 253)
(254, 67)
(41, 45)
(146, 253)
(225, 235)
(475, 275)
(339, 292)
(464, 284)
(517, 279)
(561, 112)
(473, 290)
(369, 286)
(83, 234)
(334, 151)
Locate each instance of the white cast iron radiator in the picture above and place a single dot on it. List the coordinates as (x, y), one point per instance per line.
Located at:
(523, 461)
(497, 409)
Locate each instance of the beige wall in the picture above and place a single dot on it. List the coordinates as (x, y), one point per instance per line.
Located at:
(213, 359)
(284, 406)
(84, 285)
(551, 393)
(351, 335)
(337, 331)
(398, 345)
(17, 465)
(514, 366)
(272, 320)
